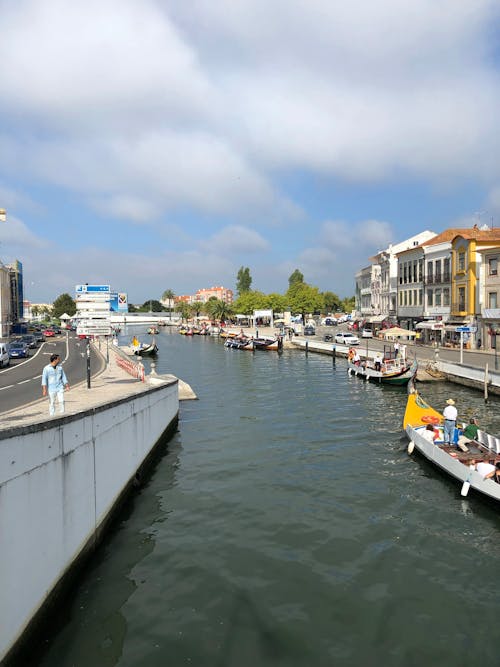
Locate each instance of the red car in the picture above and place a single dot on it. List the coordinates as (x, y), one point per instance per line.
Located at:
(48, 333)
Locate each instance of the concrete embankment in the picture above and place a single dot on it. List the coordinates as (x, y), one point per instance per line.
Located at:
(63, 478)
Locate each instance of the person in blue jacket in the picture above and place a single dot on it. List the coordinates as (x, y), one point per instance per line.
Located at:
(54, 382)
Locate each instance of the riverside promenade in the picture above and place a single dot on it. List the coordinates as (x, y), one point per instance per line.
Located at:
(109, 384)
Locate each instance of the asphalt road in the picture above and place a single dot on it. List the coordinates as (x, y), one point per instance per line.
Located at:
(20, 383)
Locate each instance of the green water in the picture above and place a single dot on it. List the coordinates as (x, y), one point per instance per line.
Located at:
(287, 525)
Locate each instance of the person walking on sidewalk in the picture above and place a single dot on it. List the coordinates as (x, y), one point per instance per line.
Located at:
(54, 382)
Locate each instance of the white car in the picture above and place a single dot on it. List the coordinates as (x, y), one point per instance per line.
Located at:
(346, 338)
(366, 333)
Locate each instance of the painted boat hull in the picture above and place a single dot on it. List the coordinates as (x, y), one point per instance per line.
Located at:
(398, 378)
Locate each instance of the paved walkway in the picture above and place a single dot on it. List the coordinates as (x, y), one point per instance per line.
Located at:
(111, 384)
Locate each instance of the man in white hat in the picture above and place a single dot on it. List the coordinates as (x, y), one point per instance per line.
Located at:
(450, 420)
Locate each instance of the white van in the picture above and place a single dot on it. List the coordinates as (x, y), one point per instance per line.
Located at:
(4, 355)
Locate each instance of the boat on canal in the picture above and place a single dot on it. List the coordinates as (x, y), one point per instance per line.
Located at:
(268, 343)
(144, 349)
(239, 343)
(153, 330)
(394, 372)
(468, 467)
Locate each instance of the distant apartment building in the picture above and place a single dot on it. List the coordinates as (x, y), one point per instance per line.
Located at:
(205, 294)
(220, 293)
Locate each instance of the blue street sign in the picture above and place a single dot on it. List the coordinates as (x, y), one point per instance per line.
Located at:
(92, 289)
(466, 329)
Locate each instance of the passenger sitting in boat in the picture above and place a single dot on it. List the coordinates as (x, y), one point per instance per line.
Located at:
(241, 335)
(430, 433)
(350, 354)
(486, 470)
(469, 433)
(356, 359)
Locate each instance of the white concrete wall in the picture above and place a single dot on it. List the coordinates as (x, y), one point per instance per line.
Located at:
(58, 482)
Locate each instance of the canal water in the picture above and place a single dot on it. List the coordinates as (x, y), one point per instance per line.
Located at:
(286, 525)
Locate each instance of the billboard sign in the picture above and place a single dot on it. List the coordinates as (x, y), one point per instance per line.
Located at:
(92, 289)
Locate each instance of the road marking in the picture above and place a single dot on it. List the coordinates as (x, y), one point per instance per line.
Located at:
(9, 386)
(24, 381)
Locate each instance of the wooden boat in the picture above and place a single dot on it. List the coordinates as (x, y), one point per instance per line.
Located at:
(268, 343)
(186, 331)
(394, 372)
(459, 464)
(145, 349)
(153, 330)
(239, 343)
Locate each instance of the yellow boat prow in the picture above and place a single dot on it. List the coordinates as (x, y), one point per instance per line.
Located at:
(418, 412)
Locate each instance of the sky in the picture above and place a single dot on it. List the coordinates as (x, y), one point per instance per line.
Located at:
(163, 144)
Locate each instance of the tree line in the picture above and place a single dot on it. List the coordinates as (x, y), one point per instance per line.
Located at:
(300, 298)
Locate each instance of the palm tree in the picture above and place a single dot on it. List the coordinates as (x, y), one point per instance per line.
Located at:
(218, 309)
(168, 295)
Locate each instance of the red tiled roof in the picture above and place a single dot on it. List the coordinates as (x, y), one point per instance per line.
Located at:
(469, 233)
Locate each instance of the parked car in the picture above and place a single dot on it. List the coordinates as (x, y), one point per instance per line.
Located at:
(4, 355)
(367, 333)
(346, 338)
(18, 349)
(309, 330)
(329, 322)
(39, 337)
(48, 333)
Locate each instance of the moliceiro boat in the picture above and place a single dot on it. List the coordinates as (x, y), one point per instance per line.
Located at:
(393, 371)
(472, 462)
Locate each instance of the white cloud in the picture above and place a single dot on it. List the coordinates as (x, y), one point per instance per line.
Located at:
(235, 239)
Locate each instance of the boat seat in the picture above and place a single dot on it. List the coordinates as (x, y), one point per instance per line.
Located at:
(482, 438)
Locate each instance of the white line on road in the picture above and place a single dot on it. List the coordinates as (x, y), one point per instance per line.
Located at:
(24, 381)
(9, 386)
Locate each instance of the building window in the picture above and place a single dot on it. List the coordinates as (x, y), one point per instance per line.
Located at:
(446, 270)
(492, 300)
(415, 265)
(430, 295)
(461, 299)
(420, 297)
(405, 303)
(420, 270)
(493, 266)
(437, 294)
(461, 261)
(437, 271)
(429, 271)
(446, 296)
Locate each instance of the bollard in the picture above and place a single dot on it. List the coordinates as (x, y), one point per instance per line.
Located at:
(307, 347)
(153, 369)
(334, 353)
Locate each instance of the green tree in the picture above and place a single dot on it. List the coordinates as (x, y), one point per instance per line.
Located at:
(304, 299)
(168, 298)
(249, 301)
(218, 309)
(63, 304)
(347, 304)
(35, 311)
(277, 302)
(183, 309)
(243, 280)
(331, 301)
(296, 277)
(152, 305)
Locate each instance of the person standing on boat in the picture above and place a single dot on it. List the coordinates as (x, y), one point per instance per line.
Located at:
(396, 349)
(378, 361)
(450, 420)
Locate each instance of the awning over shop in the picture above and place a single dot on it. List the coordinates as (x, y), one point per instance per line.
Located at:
(491, 314)
(376, 319)
(433, 325)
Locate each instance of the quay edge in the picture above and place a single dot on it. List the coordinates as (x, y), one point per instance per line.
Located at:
(62, 481)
